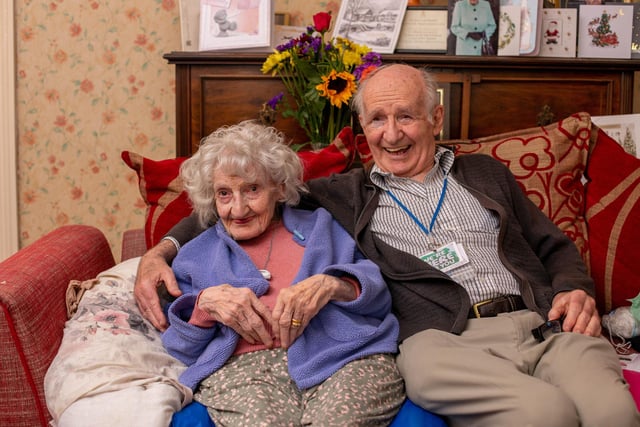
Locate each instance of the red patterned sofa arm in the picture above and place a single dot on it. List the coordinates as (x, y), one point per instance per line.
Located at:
(33, 285)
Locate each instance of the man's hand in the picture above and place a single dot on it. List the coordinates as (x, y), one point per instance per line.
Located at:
(153, 272)
(579, 312)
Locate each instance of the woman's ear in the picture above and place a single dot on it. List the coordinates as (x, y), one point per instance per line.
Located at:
(281, 192)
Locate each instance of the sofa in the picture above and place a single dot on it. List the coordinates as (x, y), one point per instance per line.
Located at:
(582, 179)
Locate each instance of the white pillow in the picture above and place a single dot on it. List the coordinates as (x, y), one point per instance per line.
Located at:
(111, 368)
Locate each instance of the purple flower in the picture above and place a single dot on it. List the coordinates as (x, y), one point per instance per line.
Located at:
(369, 60)
(273, 102)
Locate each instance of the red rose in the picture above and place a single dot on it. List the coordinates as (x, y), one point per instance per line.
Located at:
(322, 21)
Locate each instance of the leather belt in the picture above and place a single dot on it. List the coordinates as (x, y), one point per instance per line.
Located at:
(495, 306)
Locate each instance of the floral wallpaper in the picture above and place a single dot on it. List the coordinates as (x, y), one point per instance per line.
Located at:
(91, 82)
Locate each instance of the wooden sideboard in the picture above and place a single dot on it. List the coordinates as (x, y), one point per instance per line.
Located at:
(483, 96)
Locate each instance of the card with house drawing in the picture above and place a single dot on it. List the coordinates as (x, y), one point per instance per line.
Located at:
(373, 23)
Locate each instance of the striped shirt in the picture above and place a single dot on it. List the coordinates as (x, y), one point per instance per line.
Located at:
(461, 219)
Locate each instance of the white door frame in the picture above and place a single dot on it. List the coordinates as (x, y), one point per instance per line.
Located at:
(8, 142)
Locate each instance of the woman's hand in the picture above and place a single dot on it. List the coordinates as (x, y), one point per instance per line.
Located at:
(240, 309)
(298, 304)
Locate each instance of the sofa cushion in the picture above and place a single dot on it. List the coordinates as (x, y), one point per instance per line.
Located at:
(160, 184)
(548, 162)
(613, 210)
(111, 357)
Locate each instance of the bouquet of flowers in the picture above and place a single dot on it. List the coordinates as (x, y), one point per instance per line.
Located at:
(321, 77)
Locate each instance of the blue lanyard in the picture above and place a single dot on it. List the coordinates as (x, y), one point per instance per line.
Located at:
(412, 215)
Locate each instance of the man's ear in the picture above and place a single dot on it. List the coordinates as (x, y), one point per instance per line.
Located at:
(438, 119)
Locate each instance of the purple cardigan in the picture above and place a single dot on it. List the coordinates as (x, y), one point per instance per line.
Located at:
(339, 333)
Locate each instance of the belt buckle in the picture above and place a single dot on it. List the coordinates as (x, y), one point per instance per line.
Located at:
(475, 306)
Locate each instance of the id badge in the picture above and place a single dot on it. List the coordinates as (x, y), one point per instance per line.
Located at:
(447, 257)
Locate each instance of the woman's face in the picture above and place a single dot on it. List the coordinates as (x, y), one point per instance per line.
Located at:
(246, 208)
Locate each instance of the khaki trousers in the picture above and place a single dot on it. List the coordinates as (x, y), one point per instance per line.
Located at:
(496, 374)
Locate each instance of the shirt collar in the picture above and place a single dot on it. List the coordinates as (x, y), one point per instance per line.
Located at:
(443, 159)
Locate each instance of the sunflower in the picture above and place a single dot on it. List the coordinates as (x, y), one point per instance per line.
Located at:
(338, 87)
(320, 76)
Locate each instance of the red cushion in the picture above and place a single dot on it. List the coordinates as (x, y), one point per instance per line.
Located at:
(613, 211)
(160, 184)
(161, 188)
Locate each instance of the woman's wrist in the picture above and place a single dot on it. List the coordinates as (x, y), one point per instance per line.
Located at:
(347, 288)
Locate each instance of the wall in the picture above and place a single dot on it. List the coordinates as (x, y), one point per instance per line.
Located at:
(91, 82)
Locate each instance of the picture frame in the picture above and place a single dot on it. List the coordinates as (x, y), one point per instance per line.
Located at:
(235, 24)
(623, 128)
(424, 30)
(559, 28)
(373, 23)
(600, 39)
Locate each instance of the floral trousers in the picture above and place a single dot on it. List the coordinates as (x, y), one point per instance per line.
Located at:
(255, 389)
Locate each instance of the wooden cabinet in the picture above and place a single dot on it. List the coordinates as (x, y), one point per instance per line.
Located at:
(484, 96)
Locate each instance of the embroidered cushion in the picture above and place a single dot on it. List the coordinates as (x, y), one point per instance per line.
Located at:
(548, 162)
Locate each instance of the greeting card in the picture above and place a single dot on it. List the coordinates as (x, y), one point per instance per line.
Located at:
(559, 31)
(604, 31)
(509, 28)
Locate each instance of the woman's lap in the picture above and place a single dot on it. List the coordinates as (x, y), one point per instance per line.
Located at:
(255, 389)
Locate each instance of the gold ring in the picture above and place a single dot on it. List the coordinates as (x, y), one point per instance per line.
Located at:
(295, 323)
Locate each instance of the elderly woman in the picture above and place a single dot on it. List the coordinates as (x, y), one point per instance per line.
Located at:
(281, 320)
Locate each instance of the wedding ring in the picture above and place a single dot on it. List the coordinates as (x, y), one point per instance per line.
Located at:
(295, 323)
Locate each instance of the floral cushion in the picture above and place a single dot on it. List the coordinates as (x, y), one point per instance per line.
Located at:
(111, 368)
(161, 187)
(613, 210)
(548, 163)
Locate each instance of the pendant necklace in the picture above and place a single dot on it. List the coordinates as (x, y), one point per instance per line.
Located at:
(266, 273)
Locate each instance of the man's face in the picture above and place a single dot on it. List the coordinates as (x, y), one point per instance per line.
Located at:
(396, 122)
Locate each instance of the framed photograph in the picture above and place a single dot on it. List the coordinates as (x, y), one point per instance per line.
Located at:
(424, 29)
(624, 128)
(604, 31)
(373, 23)
(559, 29)
(235, 24)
